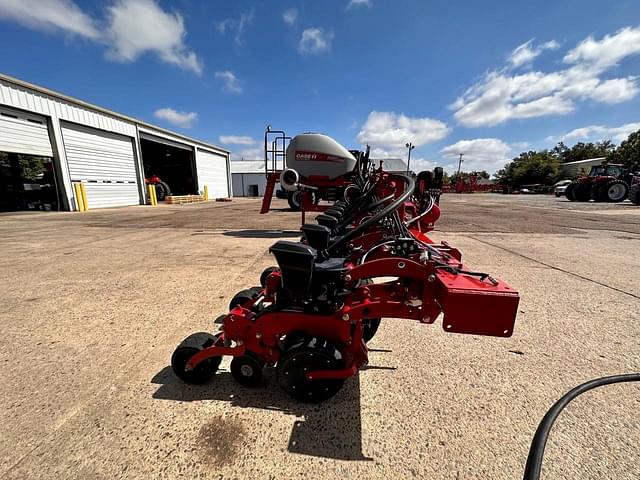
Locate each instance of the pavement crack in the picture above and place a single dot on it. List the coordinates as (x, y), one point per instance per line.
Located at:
(568, 272)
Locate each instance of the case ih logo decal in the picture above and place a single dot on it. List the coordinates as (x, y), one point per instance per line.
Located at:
(317, 157)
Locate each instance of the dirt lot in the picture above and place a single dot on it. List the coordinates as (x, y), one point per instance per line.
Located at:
(93, 304)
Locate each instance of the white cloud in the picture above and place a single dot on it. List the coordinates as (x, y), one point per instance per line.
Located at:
(50, 15)
(418, 164)
(131, 28)
(358, 3)
(605, 53)
(140, 26)
(238, 25)
(237, 140)
(315, 40)
(601, 132)
(248, 154)
(616, 90)
(391, 130)
(179, 119)
(421, 164)
(501, 96)
(231, 82)
(527, 52)
(393, 152)
(488, 154)
(290, 16)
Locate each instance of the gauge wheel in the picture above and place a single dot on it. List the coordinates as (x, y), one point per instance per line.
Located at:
(191, 345)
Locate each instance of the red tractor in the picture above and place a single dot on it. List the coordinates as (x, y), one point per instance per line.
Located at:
(605, 183)
(162, 189)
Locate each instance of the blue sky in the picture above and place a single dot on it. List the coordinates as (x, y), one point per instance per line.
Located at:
(488, 79)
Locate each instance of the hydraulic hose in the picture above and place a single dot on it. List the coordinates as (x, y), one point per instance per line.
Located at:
(381, 214)
(536, 451)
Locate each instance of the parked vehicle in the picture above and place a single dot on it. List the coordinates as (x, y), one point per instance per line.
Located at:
(605, 183)
(162, 189)
(560, 188)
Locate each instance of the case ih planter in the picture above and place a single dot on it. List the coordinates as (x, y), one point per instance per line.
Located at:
(315, 311)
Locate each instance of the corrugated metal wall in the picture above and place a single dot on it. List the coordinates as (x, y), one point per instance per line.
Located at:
(241, 182)
(212, 171)
(37, 102)
(104, 162)
(24, 133)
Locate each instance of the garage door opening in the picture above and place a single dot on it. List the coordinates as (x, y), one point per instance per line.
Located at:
(173, 165)
(27, 182)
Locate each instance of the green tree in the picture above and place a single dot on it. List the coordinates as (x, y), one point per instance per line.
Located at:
(530, 168)
(582, 151)
(628, 153)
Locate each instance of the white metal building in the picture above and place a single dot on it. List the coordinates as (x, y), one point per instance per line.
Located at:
(248, 178)
(580, 166)
(49, 141)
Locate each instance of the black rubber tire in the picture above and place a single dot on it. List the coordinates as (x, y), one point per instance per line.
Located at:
(594, 193)
(558, 194)
(243, 296)
(247, 370)
(369, 328)
(310, 353)
(294, 199)
(634, 194)
(267, 271)
(582, 192)
(619, 185)
(187, 349)
(424, 182)
(160, 192)
(569, 192)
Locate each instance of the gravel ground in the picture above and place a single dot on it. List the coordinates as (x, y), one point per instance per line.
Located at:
(93, 305)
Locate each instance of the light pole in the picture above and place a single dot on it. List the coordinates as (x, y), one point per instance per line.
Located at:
(460, 164)
(410, 146)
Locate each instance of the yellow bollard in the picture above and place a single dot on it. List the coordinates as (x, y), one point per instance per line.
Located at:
(206, 193)
(153, 199)
(83, 192)
(78, 195)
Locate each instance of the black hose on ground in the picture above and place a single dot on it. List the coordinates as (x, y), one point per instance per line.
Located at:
(536, 451)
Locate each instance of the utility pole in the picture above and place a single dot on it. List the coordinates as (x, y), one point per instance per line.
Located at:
(410, 146)
(460, 164)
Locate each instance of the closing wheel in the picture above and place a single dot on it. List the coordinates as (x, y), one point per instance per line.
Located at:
(243, 296)
(369, 328)
(305, 356)
(267, 271)
(247, 370)
(187, 349)
(369, 325)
